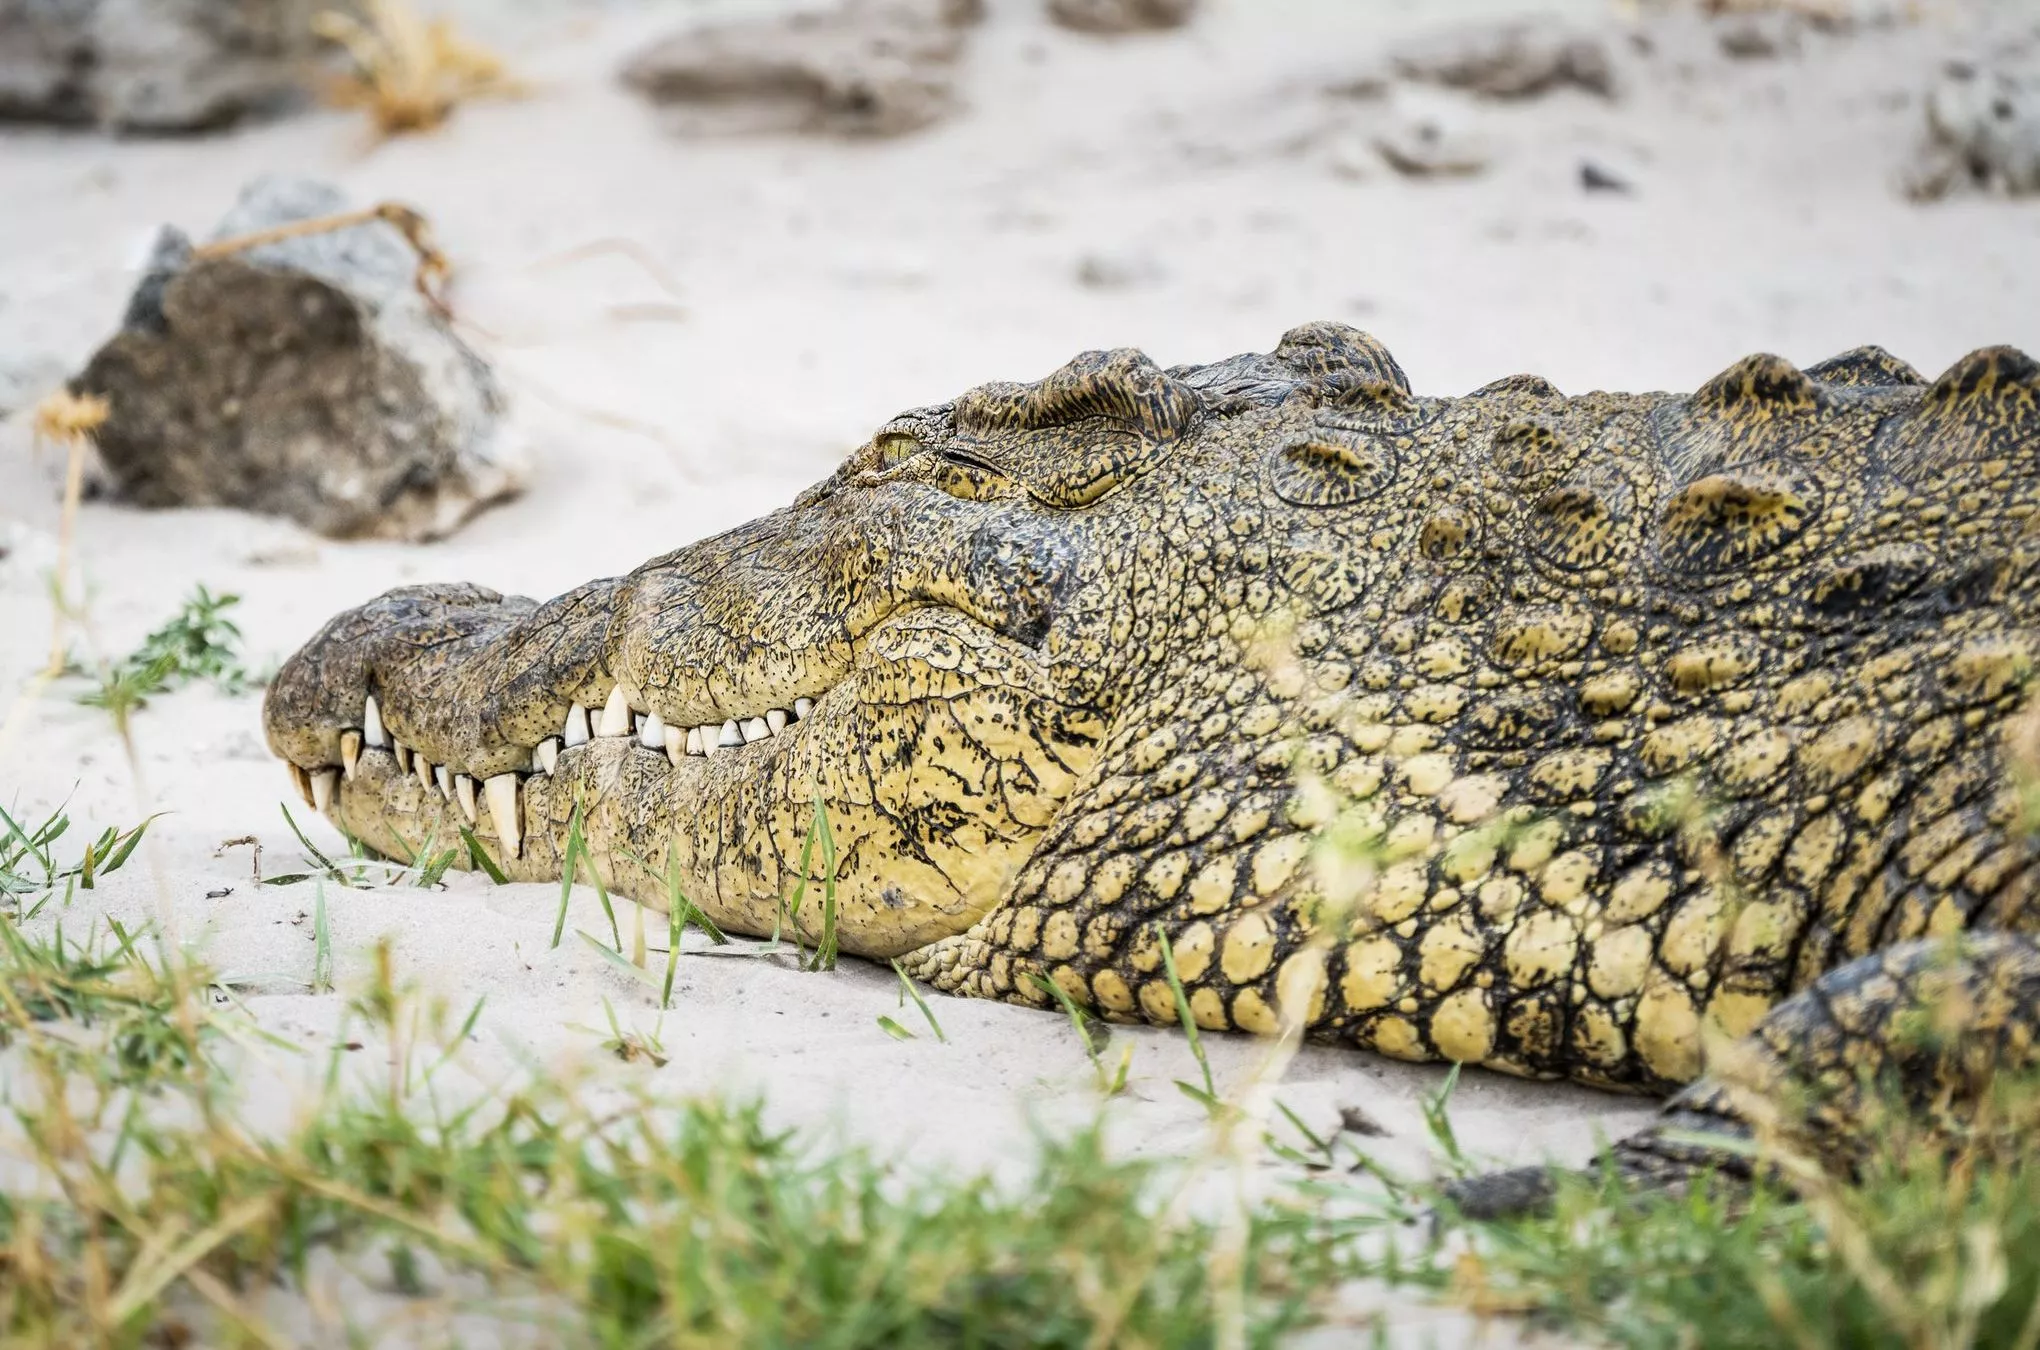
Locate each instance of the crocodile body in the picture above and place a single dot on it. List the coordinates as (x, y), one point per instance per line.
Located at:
(1517, 729)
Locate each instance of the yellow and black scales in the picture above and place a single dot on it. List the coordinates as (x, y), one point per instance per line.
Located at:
(1647, 711)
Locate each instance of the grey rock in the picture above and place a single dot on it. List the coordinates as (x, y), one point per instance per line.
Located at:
(864, 68)
(1121, 16)
(1521, 59)
(1433, 138)
(151, 65)
(1107, 271)
(305, 378)
(1760, 36)
(1982, 132)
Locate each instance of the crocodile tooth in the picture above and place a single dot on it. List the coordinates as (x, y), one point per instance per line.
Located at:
(775, 721)
(547, 756)
(323, 783)
(651, 732)
(350, 752)
(755, 729)
(729, 736)
(802, 707)
(423, 767)
(402, 753)
(300, 780)
(372, 730)
(444, 777)
(464, 788)
(675, 741)
(694, 742)
(615, 715)
(501, 792)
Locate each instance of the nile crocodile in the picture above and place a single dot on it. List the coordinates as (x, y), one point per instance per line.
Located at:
(1537, 732)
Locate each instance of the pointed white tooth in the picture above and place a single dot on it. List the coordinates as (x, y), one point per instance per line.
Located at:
(575, 731)
(443, 776)
(501, 792)
(403, 754)
(464, 788)
(675, 741)
(323, 783)
(694, 743)
(615, 715)
(423, 767)
(802, 707)
(754, 729)
(350, 752)
(728, 736)
(651, 732)
(547, 756)
(775, 720)
(300, 780)
(372, 730)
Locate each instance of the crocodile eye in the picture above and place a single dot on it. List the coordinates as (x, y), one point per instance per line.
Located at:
(893, 449)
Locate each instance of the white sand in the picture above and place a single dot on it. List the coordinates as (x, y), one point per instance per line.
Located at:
(829, 285)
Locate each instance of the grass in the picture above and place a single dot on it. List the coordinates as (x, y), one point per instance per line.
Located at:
(28, 857)
(645, 1221)
(409, 73)
(147, 1208)
(197, 643)
(67, 419)
(1930, 1249)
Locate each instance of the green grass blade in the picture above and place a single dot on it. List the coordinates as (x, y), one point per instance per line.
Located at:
(480, 856)
(915, 994)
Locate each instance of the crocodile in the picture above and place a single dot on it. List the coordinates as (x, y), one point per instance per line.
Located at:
(1565, 736)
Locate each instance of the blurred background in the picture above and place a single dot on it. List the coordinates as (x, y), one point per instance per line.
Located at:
(707, 248)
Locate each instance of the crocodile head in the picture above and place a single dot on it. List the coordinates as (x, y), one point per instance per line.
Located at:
(932, 645)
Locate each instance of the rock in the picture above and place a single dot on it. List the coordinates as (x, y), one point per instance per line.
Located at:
(1512, 60)
(1429, 137)
(865, 68)
(151, 65)
(1117, 271)
(1746, 37)
(1982, 133)
(1121, 16)
(1594, 178)
(305, 378)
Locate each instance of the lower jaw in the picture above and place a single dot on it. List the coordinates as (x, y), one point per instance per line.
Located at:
(725, 833)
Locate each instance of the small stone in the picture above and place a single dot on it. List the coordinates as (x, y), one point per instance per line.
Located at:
(305, 377)
(864, 68)
(1432, 140)
(1117, 271)
(1747, 37)
(1594, 178)
(1121, 16)
(1509, 61)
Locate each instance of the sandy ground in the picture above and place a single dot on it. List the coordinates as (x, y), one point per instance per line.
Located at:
(828, 285)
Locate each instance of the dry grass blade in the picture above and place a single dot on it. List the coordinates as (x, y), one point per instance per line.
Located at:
(68, 419)
(434, 271)
(410, 73)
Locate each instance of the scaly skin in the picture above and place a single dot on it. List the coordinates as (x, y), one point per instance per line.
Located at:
(1633, 714)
